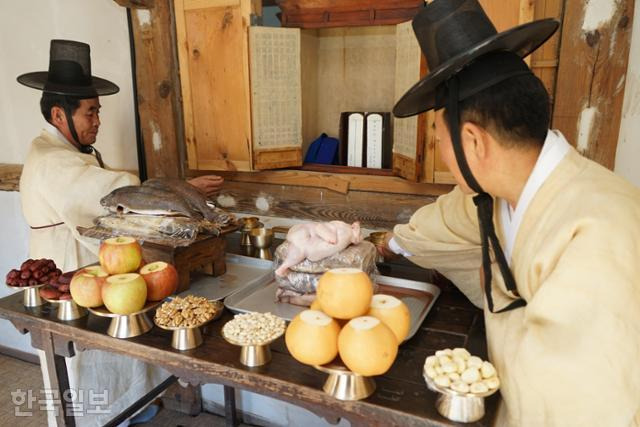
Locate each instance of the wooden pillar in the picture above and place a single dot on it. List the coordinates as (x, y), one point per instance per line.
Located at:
(158, 85)
(594, 52)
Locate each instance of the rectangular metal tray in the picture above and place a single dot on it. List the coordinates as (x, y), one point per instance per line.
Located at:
(260, 297)
(241, 271)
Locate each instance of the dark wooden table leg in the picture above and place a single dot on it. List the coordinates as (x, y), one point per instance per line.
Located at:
(231, 419)
(58, 377)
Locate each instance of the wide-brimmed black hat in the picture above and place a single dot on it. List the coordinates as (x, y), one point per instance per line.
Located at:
(69, 73)
(454, 33)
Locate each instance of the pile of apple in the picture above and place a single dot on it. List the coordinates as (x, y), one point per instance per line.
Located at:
(122, 282)
(346, 319)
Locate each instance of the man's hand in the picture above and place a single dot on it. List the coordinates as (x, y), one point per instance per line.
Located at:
(209, 185)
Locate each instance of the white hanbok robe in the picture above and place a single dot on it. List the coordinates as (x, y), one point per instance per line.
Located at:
(59, 184)
(570, 356)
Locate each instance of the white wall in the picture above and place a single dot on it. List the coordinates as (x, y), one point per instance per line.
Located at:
(13, 250)
(628, 151)
(26, 28)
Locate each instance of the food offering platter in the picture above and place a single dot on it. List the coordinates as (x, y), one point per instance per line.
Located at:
(462, 382)
(344, 384)
(190, 337)
(257, 354)
(259, 297)
(67, 309)
(255, 351)
(32, 275)
(127, 325)
(31, 295)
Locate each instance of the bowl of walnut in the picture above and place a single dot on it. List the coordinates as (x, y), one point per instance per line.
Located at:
(462, 381)
(185, 316)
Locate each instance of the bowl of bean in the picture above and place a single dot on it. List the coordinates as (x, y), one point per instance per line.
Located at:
(253, 332)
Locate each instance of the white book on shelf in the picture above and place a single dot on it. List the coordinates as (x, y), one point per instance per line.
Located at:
(354, 145)
(374, 140)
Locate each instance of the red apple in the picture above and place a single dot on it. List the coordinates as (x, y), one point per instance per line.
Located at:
(86, 286)
(121, 254)
(161, 278)
(124, 293)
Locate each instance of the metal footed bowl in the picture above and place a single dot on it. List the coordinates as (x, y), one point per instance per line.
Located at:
(344, 384)
(127, 325)
(253, 354)
(456, 406)
(67, 309)
(189, 337)
(31, 295)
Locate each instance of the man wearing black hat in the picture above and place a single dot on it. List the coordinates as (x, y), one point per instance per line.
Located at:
(553, 234)
(64, 177)
(62, 182)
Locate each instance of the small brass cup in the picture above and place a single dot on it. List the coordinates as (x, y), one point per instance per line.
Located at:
(261, 239)
(246, 225)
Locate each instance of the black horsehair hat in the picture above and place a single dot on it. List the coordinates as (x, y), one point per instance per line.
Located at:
(454, 34)
(69, 73)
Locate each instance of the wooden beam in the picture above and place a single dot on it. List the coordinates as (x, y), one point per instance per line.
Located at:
(10, 177)
(372, 209)
(158, 87)
(594, 54)
(339, 183)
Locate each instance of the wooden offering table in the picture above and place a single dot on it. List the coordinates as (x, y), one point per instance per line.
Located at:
(401, 396)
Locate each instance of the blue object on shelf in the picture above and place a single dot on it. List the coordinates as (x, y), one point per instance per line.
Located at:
(323, 150)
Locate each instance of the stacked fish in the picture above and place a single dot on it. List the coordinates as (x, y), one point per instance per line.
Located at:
(162, 209)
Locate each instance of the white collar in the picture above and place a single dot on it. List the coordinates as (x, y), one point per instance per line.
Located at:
(55, 132)
(553, 151)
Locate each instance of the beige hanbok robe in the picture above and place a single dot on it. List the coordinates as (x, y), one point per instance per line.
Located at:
(61, 184)
(571, 356)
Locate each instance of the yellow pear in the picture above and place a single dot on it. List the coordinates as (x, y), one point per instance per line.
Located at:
(393, 313)
(367, 346)
(312, 338)
(344, 293)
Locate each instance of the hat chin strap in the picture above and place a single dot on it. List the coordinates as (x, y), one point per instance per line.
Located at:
(87, 149)
(484, 204)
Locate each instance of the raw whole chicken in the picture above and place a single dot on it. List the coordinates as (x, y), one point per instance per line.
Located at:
(315, 241)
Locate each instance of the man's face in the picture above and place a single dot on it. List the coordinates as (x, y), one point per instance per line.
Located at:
(447, 155)
(86, 120)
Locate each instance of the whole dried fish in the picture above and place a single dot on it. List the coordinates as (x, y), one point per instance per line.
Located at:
(190, 194)
(147, 200)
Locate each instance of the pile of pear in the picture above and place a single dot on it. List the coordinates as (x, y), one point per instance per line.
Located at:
(348, 320)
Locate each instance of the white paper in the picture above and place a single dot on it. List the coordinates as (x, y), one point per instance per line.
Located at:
(276, 105)
(374, 141)
(354, 144)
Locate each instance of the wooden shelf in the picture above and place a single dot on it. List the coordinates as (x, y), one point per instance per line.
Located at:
(346, 13)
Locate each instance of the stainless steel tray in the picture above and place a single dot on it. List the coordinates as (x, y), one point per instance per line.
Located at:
(241, 271)
(260, 296)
